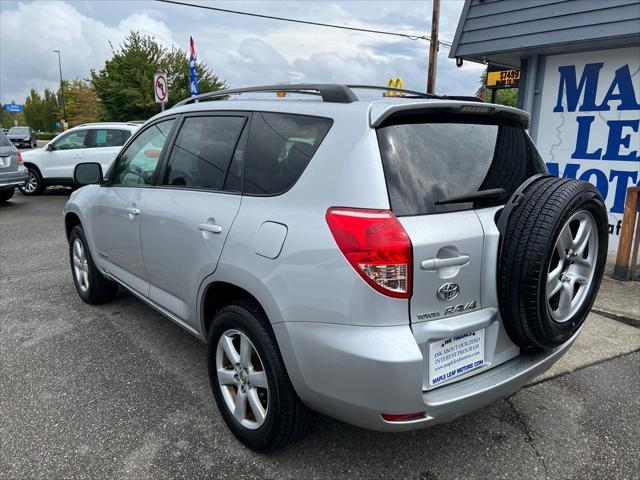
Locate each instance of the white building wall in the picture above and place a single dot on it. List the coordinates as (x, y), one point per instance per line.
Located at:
(587, 123)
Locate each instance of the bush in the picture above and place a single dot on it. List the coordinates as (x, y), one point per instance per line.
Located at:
(45, 136)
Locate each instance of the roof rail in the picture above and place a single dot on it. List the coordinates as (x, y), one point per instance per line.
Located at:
(393, 89)
(133, 122)
(329, 92)
(415, 93)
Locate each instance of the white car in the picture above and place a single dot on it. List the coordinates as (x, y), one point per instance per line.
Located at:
(55, 163)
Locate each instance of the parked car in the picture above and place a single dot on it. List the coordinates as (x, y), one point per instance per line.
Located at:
(22, 137)
(12, 172)
(91, 142)
(393, 263)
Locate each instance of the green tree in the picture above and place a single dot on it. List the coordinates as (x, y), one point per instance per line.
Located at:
(124, 86)
(41, 111)
(81, 102)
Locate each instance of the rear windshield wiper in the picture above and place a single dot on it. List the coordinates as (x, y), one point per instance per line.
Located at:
(471, 197)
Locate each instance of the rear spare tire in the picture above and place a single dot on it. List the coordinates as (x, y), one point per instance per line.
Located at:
(553, 253)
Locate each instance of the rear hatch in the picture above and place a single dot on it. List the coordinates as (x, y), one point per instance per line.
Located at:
(8, 155)
(435, 163)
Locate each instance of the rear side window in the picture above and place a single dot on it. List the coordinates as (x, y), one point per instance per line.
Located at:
(106, 137)
(280, 148)
(202, 152)
(427, 159)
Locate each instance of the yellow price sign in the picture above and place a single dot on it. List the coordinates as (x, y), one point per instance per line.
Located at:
(503, 78)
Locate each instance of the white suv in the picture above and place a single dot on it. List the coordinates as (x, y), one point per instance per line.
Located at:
(92, 142)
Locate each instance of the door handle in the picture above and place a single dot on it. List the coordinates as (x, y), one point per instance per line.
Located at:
(210, 227)
(133, 211)
(433, 264)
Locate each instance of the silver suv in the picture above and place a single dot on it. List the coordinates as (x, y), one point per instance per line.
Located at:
(392, 262)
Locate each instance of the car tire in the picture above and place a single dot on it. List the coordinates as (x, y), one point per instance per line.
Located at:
(34, 185)
(5, 195)
(90, 284)
(281, 417)
(552, 259)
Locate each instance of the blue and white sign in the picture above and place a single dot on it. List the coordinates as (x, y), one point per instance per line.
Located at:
(14, 107)
(451, 358)
(589, 123)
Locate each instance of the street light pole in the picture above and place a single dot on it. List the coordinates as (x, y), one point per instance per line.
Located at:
(64, 107)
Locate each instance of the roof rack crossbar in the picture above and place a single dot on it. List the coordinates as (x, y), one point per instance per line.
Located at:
(393, 89)
(416, 93)
(329, 92)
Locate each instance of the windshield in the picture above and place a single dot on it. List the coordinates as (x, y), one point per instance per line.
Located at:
(429, 159)
(19, 131)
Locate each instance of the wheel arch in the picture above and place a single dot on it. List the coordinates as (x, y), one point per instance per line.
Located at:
(32, 165)
(70, 221)
(217, 295)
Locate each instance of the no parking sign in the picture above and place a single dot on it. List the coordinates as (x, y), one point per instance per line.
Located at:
(160, 87)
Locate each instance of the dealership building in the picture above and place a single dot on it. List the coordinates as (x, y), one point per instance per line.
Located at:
(579, 64)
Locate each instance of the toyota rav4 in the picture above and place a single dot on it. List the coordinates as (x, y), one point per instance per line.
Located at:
(392, 262)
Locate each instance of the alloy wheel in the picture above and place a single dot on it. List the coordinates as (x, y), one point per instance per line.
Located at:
(32, 183)
(242, 379)
(80, 265)
(572, 266)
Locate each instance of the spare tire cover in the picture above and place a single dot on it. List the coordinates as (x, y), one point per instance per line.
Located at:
(553, 253)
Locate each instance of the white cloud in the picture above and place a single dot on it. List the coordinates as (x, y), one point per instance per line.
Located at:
(31, 32)
(241, 50)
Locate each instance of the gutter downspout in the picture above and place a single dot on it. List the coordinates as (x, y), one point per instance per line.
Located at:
(530, 86)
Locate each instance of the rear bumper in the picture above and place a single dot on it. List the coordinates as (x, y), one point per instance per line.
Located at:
(22, 143)
(355, 374)
(14, 179)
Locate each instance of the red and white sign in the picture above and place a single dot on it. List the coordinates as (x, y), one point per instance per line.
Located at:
(161, 87)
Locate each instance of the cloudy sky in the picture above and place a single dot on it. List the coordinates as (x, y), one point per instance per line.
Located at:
(241, 50)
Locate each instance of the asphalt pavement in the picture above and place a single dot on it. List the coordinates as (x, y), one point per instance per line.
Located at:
(117, 391)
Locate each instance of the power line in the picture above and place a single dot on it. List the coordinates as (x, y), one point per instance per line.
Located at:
(307, 22)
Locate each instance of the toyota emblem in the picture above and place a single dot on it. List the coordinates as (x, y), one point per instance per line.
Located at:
(448, 291)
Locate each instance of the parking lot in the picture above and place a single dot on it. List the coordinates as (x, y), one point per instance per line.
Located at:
(118, 391)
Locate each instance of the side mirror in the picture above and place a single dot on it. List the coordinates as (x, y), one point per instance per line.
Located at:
(49, 147)
(88, 173)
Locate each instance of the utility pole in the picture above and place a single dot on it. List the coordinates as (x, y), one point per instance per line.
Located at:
(433, 48)
(64, 107)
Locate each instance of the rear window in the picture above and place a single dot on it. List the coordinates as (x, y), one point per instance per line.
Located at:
(280, 148)
(427, 159)
(4, 141)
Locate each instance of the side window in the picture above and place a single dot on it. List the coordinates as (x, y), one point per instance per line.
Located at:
(281, 147)
(135, 166)
(107, 137)
(71, 141)
(202, 151)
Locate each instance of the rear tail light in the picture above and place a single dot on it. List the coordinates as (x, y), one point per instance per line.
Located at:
(377, 247)
(20, 162)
